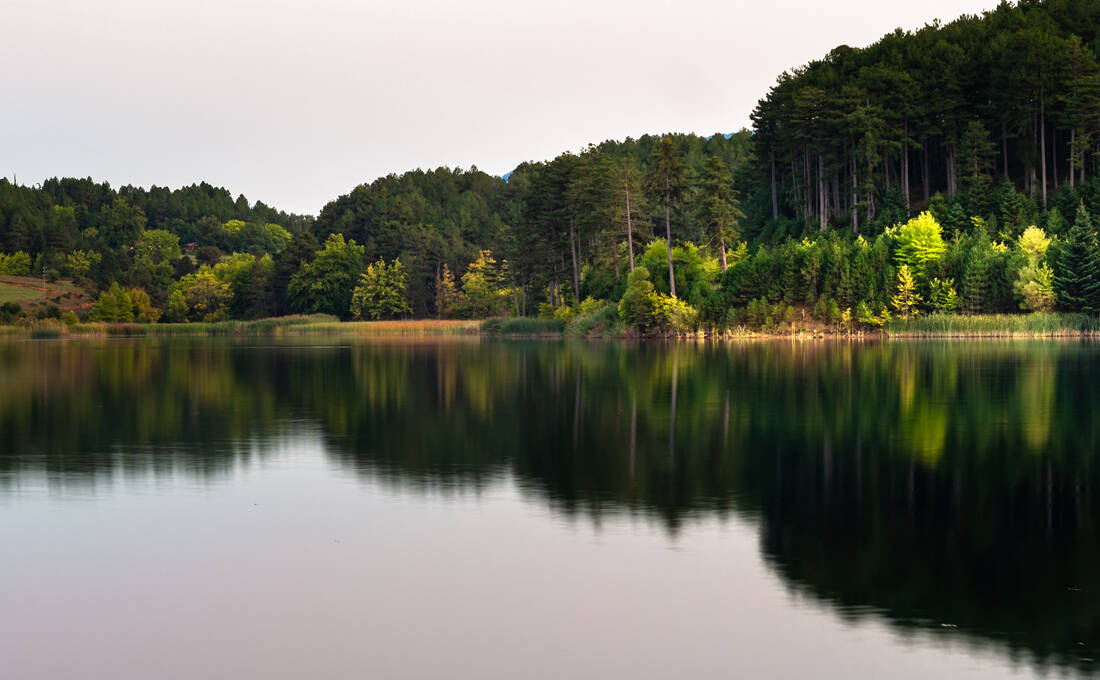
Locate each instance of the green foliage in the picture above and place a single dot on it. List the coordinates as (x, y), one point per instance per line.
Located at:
(324, 285)
(176, 309)
(943, 298)
(446, 295)
(143, 309)
(594, 317)
(483, 290)
(9, 311)
(16, 264)
(995, 325)
(919, 244)
(1077, 274)
(673, 315)
(380, 293)
(907, 300)
(204, 294)
(520, 326)
(639, 301)
(79, 263)
(114, 305)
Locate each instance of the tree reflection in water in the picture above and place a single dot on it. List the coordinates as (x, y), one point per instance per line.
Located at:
(926, 483)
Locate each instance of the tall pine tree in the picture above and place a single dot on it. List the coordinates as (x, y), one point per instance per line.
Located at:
(1076, 281)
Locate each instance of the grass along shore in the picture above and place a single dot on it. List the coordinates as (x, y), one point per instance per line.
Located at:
(1039, 324)
(1035, 325)
(315, 324)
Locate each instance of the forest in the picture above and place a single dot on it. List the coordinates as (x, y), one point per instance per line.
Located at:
(950, 170)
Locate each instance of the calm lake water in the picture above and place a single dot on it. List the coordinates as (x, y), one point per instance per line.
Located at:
(286, 509)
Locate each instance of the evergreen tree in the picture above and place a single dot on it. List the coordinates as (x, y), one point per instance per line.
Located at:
(1076, 276)
(720, 208)
(669, 180)
(907, 299)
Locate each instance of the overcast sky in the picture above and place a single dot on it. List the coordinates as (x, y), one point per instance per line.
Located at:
(295, 103)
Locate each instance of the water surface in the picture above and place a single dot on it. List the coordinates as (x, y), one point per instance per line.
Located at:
(318, 508)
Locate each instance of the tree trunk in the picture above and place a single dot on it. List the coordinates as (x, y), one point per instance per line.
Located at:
(822, 217)
(1072, 154)
(855, 197)
(775, 199)
(576, 270)
(1054, 154)
(722, 251)
(668, 234)
(1043, 142)
(834, 211)
(869, 199)
(629, 227)
(952, 176)
(807, 175)
(926, 175)
(905, 169)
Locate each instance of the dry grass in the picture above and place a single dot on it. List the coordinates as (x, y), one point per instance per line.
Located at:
(301, 325)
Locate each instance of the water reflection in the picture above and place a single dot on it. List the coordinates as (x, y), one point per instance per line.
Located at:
(946, 487)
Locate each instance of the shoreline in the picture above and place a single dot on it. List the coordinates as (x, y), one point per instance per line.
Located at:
(1035, 326)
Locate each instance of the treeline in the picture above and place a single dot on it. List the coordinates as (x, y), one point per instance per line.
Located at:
(985, 131)
(864, 137)
(442, 243)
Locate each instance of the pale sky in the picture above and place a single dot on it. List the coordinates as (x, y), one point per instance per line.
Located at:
(295, 103)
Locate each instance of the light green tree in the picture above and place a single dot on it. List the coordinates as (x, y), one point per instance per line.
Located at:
(16, 264)
(1034, 285)
(919, 244)
(175, 309)
(79, 262)
(143, 309)
(380, 292)
(446, 295)
(205, 295)
(483, 294)
(907, 299)
(114, 305)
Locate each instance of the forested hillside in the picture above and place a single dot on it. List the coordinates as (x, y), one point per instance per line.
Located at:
(952, 170)
(863, 137)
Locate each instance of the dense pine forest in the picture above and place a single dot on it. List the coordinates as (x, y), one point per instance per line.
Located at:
(950, 170)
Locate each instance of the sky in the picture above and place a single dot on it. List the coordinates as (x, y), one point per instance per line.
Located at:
(296, 103)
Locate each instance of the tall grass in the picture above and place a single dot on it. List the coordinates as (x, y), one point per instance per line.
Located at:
(521, 325)
(315, 324)
(410, 328)
(994, 325)
(600, 321)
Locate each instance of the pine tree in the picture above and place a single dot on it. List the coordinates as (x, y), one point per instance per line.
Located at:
(445, 294)
(720, 208)
(1076, 280)
(976, 283)
(907, 299)
(668, 179)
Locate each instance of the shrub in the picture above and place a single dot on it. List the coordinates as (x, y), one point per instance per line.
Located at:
(673, 315)
(639, 301)
(599, 316)
(9, 311)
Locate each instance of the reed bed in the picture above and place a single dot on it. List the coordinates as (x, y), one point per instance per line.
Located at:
(521, 326)
(411, 328)
(995, 325)
(315, 324)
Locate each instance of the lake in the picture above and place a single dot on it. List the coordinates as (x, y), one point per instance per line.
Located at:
(323, 508)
